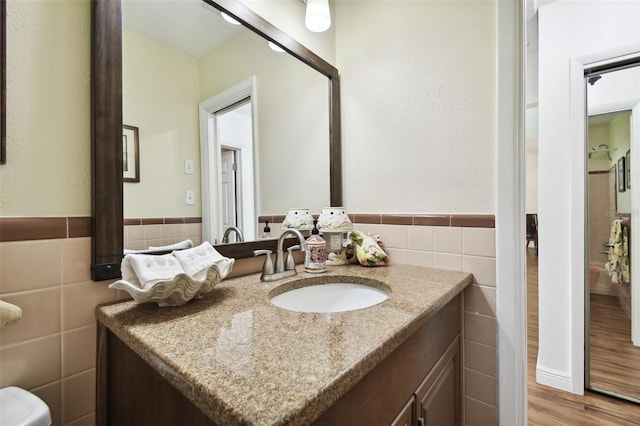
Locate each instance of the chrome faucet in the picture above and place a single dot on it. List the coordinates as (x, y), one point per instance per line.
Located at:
(282, 269)
(227, 232)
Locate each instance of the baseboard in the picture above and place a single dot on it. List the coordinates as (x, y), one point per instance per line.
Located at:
(554, 378)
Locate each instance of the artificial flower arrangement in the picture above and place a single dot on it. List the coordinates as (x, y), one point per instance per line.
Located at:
(366, 249)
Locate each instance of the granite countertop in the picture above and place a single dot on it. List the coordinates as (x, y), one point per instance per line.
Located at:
(242, 360)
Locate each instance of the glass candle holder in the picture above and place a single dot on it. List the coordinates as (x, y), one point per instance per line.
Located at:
(334, 225)
(299, 219)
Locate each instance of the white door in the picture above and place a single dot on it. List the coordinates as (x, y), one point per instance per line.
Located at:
(228, 189)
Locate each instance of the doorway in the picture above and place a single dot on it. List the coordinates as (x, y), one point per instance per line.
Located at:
(235, 136)
(611, 323)
(229, 188)
(228, 123)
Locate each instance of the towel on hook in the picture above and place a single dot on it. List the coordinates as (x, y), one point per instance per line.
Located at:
(145, 270)
(618, 264)
(197, 260)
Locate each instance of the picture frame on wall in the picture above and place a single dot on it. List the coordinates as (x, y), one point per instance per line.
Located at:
(130, 154)
(621, 171)
(627, 168)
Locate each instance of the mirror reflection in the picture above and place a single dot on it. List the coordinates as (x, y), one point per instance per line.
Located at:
(229, 129)
(613, 319)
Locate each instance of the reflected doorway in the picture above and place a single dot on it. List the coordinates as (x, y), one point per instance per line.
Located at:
(229, 189)
(612, 359)
(234, 130)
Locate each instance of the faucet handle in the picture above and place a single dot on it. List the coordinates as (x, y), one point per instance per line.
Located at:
(290, 263)
(267, 268)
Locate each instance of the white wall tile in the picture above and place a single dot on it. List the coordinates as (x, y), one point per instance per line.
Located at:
(76, 260)
(396, 236)
(421, 238)
(452, 262)
(447, 240)
(421, 258)
(78, 395)
(31, 364)
(78, 350)
(482, 268)
(40, 315)
(399, 256)
(479, 241)
(27, 265)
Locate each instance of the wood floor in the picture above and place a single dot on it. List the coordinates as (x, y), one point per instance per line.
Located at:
(547, 406)
(615, 362)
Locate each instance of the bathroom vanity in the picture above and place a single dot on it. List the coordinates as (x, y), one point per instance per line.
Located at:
(234, 358)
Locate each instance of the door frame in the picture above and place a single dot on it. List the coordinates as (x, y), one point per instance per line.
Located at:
(575, 382)
(210, 146)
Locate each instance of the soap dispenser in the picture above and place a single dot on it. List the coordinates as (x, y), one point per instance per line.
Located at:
(315, 259)
(267, 231)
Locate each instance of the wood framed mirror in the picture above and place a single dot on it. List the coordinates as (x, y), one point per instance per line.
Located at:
(3, 81)
(107, 123)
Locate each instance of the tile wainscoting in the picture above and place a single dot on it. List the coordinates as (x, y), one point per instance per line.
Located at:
(139, 234)
(461, 243)
(45, 269)
(51, 351)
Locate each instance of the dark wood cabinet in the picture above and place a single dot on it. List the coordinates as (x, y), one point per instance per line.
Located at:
(438, 397)
(406, 416)
(436, 402)
(417, 383)
(423, 372)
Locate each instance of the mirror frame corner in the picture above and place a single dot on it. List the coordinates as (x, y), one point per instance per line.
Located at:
(107, 241)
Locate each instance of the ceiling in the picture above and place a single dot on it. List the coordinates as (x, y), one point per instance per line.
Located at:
(190, 26)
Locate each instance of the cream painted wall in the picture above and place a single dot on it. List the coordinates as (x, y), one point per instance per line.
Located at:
(616, 134)
(293, 158)
(48, 169)
(419, 91)
(160, 89)
(596, 27)
(598, 135)
(620, 137)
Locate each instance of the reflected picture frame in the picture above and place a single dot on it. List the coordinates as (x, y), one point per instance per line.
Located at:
(130, 154)
(621, 171)
(627, 168)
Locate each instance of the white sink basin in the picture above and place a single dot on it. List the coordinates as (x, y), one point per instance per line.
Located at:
(330, 297)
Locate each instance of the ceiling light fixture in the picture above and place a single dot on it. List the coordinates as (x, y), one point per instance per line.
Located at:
(318, 15)
(275, 47)
(229, 19)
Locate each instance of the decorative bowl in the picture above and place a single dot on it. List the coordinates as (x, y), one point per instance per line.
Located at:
(180, 289)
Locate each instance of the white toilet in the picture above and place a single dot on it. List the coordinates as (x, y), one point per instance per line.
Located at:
(19, 407)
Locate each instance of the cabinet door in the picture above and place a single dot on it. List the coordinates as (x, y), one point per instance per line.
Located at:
(405, 418)
(438, 397)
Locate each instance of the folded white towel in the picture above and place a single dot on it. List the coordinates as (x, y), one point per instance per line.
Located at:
(186, 244)
(155, 249)
(197, 260)
(146, 270)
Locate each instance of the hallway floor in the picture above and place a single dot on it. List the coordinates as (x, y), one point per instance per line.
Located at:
(547, 406)
(615, 362)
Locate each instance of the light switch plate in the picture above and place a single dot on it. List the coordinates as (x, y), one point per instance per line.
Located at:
(188, 167)
(190, 198)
